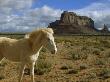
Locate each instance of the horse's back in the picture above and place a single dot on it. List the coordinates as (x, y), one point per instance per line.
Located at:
(6, 39)
(4, 43)
(13, 49)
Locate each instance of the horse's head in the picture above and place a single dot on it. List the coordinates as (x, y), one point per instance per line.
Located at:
(43, 37)
(50, 44)
(49, 41)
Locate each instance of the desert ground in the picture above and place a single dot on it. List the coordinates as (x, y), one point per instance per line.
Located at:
(79, 59)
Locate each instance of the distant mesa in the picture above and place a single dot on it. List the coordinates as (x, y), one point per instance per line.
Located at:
(71, 23)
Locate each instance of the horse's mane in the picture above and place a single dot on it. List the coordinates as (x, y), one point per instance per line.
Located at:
(41, 30)
(45, 30)
(50, 30)
(40, 34)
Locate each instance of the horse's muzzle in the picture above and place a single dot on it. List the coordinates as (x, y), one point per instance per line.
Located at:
(54, 52)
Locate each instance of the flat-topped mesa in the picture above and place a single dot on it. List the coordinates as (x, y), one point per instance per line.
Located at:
(71, 23)
(73, 18)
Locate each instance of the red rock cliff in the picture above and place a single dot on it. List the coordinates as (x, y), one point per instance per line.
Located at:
(71, 23)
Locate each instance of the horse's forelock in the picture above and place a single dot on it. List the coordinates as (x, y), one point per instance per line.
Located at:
(50, 30)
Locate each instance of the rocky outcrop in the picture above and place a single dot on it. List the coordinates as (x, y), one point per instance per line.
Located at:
(105, 29)
(72, 18)
(71, 23)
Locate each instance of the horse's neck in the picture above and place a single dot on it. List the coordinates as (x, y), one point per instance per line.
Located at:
(37, 50)
(37, 47)
(36, 42)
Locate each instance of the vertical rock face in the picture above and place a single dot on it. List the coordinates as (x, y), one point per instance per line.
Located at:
(68, 17)
(105, 29)
(71, 23)
(72, 18)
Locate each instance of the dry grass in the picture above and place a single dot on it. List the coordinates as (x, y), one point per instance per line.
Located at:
(79, 59)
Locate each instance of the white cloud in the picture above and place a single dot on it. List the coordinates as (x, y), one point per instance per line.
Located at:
(17, 15)
(31, 19)
(99, 12)
(14, 5)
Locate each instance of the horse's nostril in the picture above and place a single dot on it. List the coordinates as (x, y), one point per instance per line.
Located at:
(53, 52)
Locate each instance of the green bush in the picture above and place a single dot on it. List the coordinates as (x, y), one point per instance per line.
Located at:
(83, 66)
(42, 67)
(75, 55)
(65, 67)
(96, 52)
(105, 43)
(100, 62)
(105, 73)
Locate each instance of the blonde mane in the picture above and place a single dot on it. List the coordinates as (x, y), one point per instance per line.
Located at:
(44, 30)
(41, 30)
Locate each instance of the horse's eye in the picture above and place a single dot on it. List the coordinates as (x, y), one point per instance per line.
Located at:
(48, 39)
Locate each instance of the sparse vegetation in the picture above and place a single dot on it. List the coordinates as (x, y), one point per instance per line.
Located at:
(83, 66)
(66, 67)
(2, 77)
(96, 52)
(79, 59)
(72, 71)
(105, 73)
(100, 62)
(42, 67)
(75, 55)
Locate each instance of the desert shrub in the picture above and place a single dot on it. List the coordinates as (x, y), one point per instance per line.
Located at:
(75, 55)
(43, 49)
(83, 66)
(89, 78)
(72, 71)
(105, 73)
(85, 80)
(106, 53)
(2, 77)
(84, 48)
(105, 43)
(65, 67)
(100, 62)
(101, 48)
(92, 75)
(42, 55)
(42, 67)
(96, 51)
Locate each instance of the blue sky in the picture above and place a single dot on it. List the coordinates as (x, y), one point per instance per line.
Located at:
(27, 15)
(63, 4)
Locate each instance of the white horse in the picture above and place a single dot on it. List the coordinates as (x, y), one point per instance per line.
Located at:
(26, 50)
